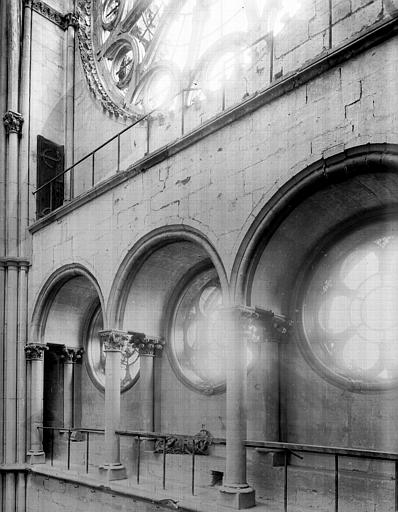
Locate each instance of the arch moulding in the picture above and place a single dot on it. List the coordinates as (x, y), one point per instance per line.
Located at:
(143, 249)
(49, 290)
(364, 159)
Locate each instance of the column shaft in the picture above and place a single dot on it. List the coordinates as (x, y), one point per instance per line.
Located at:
(114, 342)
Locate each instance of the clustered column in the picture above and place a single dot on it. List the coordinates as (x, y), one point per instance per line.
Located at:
(35, 357)
(114, 343)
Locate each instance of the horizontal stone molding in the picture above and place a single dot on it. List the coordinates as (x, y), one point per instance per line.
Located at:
(368, 39)
(6, 262)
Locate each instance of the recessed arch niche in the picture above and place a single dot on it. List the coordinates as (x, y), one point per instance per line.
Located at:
(298, 228)
(64, 311)
(143, 299)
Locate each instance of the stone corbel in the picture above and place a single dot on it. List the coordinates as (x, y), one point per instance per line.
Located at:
(35, 351)
(13, 122)
(114, 340)
(263, 326)
(146, 345)
(72, 354)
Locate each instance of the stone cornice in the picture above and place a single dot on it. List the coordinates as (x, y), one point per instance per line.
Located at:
(368, 39)
(114, 340)
(6, 262)
(51, 14)
(13, 122)
(146, 345)
(35, 351)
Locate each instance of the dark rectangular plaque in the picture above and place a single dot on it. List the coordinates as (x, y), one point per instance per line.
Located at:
(50, 164)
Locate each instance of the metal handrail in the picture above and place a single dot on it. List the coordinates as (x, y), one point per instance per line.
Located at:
(271, 446)
(291, 448)
(140, 435)
(87, 431)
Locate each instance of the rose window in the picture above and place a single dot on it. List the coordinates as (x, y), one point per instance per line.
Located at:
(350, 310)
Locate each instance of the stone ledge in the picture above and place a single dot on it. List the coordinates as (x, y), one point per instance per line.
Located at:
(367, 39)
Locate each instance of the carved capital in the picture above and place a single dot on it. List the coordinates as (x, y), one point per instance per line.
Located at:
(72, 354)
(28, 4)
(145, 345)
(35, 351)
(114, 340)
(13, 122)
(264, 326)
(255, 325)
(70, 20)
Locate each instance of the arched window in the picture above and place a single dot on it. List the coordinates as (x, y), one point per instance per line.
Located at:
(96, 357)
(196, 346)
(350, 307)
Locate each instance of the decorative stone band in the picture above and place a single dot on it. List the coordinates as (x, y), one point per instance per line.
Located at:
(146, 345)
(45, 10)
(72, 354)
(256, 325)
(13, 122)
(114, 340)
(14, 262)
(35, 351)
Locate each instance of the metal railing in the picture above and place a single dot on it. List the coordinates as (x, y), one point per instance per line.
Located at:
(336, 452)
(155, 436)
(286, 448)
(69, 431)
(389, 19)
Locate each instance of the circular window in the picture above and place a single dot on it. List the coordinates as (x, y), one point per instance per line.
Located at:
(350, 308)
(196, 347)
(96, 357)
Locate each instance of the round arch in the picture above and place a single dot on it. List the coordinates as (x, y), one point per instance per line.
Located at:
(50, 290)
(365, 159)
(148, 246)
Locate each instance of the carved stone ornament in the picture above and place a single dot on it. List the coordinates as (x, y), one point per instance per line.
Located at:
(84, 34)
(72, 354)
(198, 444)
(114, 340)
(146, 345)
(13, 122)
(35, 351)
(263, 326)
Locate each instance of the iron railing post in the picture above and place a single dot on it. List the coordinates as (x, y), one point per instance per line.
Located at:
(336, 483)
(164, 463)
(69, 436)
(138, 458)
(87, 450)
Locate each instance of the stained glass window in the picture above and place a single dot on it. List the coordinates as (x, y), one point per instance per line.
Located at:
(197, 345)
(350, 310)
(149, 51)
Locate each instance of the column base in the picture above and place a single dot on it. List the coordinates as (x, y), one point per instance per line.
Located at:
(33, 457)
(113, 471)
(237, 497)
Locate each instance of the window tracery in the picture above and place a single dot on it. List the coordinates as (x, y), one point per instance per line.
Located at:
(197, 348)
(146, 52)
(350, 308)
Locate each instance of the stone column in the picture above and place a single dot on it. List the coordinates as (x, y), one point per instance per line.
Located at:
(70, 357)
(35, 357)
(236, 492)
(148, 347)
(114, 343)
